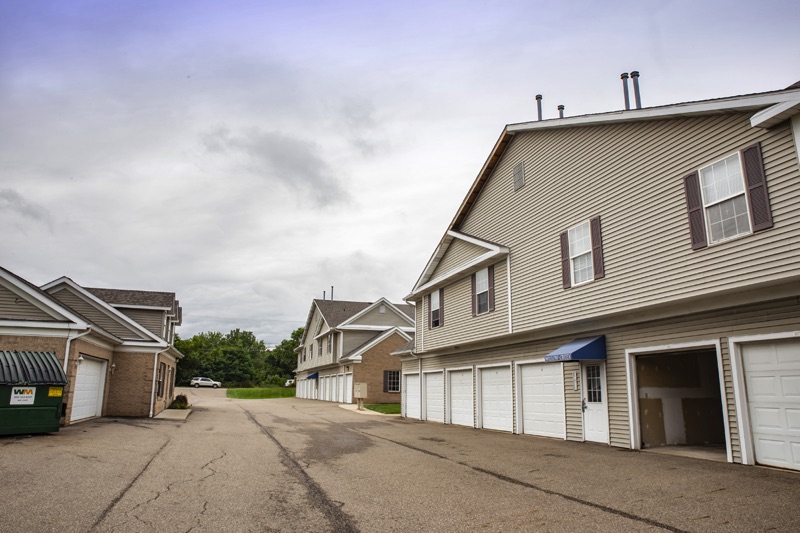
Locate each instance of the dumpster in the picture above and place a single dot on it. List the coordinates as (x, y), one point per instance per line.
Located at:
(31, 391)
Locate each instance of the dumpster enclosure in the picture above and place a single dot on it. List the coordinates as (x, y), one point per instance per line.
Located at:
(31, 391)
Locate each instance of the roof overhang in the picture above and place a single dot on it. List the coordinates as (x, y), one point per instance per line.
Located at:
(355, 355)
(776, 114)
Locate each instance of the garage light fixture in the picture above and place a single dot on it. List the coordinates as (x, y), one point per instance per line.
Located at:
(80, 359)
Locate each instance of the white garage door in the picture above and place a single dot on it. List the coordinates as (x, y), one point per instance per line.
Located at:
(434, 397)
(87, 398)
(542, 402)
(772, 376)
(460, 398)
(411, 395)
(348, 388)
(496, 406)
(340, 388)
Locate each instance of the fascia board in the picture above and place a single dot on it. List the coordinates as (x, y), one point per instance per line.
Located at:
(357, 327)
(766, 118)
(735, 103)
(384, 301)
(142, 347)
(103, 306)
(442, 248)
(46, 305)
(374, 342)
(148, 307)
(476, 264)
(30, 328)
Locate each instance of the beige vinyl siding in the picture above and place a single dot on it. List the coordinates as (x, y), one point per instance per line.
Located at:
(458, 253)
(151, 319)
(631, 176)
(110, 324)
(572, 400)
(17, 308)
(375, 318)
(459, 324)
(354, 339)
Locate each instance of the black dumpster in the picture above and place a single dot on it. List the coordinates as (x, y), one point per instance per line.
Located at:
(31, 391)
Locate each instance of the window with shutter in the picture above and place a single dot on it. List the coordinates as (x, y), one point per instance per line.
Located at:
(728, 198)
(483, 291)
(582, 253)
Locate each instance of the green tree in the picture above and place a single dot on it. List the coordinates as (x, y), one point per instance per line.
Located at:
(283, 359)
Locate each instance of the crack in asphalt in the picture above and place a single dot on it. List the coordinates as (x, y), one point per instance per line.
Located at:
(519, 482)
(124, 491)
(340, 521)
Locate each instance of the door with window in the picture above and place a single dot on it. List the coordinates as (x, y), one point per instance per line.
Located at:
(594, 403)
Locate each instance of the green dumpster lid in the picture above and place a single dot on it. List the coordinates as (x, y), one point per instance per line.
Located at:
(30, 368)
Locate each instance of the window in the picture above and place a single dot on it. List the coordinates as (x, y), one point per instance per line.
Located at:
(311, 352)
(436, 309)
(330, 342)
(162, 368)
(171, 382)
(483, 291)
(519, 176)
(728, 198)
(582, 253)
(391, 381)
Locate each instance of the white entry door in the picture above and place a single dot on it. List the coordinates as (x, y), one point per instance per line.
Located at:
(459, 398)
(411, 395)
(87, 400)
(496, 399)
(595, 405)
(434, 396)
(772, 378)
(542, 399)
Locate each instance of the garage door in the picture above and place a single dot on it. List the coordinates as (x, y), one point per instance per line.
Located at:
(434, 397)
(86, 400)
(460, 398)
(542, 400)
(772, 377)
(496, 406)
(411, 395)
(348, 388)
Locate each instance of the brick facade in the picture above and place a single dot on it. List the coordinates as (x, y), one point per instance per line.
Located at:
(373, 363)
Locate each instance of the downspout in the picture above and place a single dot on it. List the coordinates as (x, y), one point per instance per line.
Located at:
(153, 390)
(69, 341)
(508, 282)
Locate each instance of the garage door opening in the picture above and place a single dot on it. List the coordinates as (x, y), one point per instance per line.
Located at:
(680, 403)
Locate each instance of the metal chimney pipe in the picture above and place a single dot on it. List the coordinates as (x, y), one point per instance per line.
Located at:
(323, 296)
(539, 105)
(331, 292)
(625, 90)
(561, 111)
(635, 76)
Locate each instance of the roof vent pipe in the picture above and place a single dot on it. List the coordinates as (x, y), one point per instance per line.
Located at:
(561, 111)
(323, 296)
(331, 292)
(635, 77)
(539, 105)
(625, 91)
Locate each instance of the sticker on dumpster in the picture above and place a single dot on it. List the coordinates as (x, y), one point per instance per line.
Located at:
(55, 392)
(22, 395)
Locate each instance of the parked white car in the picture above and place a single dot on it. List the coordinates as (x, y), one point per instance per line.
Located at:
(289, 383)
(204, 382)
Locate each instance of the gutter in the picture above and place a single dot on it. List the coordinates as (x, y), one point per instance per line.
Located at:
(70, 338)
(153, 389)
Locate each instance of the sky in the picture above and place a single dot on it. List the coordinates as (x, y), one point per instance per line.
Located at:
(249, 155)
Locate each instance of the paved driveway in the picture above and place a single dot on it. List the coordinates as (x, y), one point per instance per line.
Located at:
(301, 465)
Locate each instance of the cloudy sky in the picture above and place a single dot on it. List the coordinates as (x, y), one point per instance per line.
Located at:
(247, 155)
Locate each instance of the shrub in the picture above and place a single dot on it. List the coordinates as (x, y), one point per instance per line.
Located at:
(180, 402)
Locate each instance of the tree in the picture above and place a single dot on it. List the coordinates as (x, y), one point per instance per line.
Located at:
(283, 358)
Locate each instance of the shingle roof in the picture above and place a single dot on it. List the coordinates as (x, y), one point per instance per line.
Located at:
(132, 297)
(407, 309)
(337, 311)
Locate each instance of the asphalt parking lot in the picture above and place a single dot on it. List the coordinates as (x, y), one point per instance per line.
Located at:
(302, 465)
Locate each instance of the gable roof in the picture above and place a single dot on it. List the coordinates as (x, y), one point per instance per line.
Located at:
(43, 301)
(334, 312)
(124, 297)
(356, 353)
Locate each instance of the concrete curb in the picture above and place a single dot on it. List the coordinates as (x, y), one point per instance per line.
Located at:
(174, 414)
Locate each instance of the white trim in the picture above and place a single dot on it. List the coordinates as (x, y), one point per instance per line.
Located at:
(377, 340)
(796, 135)
(102, 306)
(70, 337)
(732, 103)
(479, 262)
(740, 390)
(140, 348)
(744, 193)
(346, 323)
(766, 118)
(633, 393)
(148, 307)
(39, 329)
(407, 329)
(46, 304)
(508, 286)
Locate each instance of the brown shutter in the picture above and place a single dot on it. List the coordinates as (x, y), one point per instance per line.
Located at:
(491, 287)
(760, 211)
(566, 280)
(597, 249)
(385, 381)
(441, 306)
(430, 314)
(694, 208)
(474, 298)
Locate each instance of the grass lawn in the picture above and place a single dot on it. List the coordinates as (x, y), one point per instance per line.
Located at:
(385, 408)
(261, 393)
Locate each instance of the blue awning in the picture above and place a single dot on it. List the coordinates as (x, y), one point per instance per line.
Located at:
(315, 375)
(579, 350)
